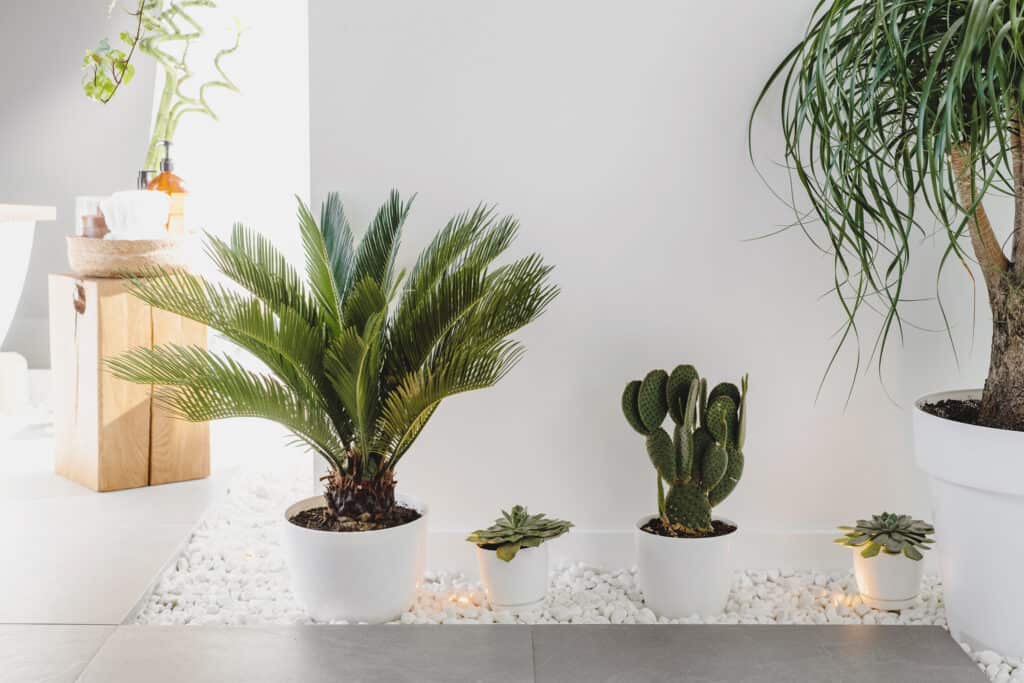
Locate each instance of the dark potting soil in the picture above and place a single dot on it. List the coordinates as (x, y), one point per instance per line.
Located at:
(958, 411)
(321, 519)
(658, 528)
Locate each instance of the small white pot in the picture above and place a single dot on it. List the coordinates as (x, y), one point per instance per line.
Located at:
(519, 583)
(356, 576)
(976, 480)
(684, 576)
(887, 582)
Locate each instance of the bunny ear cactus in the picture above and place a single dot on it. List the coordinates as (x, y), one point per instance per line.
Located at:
(702, 461)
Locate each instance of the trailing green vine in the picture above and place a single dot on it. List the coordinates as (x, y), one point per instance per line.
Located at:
(165, 30)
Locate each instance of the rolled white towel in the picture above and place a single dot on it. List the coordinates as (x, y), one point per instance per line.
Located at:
(136, 214)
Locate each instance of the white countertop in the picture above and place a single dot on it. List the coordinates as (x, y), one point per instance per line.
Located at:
(25, 212)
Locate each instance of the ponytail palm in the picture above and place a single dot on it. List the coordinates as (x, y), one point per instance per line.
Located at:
(358, 355)
(900, 113)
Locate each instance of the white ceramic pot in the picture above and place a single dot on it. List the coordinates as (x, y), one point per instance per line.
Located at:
(519, 583)
(887, 582)
(356, 576)
(684, 576)
(976, 478)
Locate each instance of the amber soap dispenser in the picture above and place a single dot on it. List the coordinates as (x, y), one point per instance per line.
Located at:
(174, 187)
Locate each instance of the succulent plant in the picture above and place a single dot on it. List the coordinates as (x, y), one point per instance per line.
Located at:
(889, 533)
(702, 461)
(518, 529)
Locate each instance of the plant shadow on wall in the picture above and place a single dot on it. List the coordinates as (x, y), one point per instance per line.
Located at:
(359, 355)
(893, 113)
(164, 31)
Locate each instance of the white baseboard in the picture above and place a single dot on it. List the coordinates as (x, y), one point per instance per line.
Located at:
(614, 549)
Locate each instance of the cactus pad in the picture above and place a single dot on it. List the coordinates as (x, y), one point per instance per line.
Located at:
(659, 449)
(721, 419)
(629, 407)
(651, 404)
(726, 389)
(732, 476)
(713, 466)
(687, 507)
(677, 391)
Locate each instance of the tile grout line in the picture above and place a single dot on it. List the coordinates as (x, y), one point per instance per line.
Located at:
(81, 673)
(178, 552)
(533, 654)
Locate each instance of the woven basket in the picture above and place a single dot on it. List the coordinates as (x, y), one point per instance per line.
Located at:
(90, 257)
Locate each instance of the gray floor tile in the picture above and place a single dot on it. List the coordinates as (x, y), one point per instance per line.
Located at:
(749, 654)
(311, 654)
(47, 654)
(74, 574)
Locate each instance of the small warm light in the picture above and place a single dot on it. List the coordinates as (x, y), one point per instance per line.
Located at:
(842, 599)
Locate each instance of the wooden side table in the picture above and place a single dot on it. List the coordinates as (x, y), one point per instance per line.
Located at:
(111, 434)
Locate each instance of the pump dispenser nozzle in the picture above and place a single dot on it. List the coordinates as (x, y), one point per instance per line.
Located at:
(167, 164)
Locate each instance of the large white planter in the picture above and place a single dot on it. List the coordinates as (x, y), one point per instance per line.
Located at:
(521, 582)
(887, 582)
(358, 576)
(684, 576)
(976, 477)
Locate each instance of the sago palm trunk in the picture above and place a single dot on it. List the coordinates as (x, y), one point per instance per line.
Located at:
(352, 497)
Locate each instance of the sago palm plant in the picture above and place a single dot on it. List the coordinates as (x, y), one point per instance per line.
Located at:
(359, 354)
(897, 111)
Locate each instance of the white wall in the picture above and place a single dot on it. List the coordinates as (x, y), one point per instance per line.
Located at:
(616, 132)
(250, 164)
(54, 142)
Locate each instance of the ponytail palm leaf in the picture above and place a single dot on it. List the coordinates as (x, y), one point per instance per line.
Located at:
(900, 113)
(358, 356)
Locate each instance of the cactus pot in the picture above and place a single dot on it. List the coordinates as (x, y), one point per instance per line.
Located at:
(356, 576)
(976, 481)
(519, 583)
(887, 582)
(664, 563)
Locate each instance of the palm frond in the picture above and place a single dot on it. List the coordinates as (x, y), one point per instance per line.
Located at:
(515, 295)
(318, 268)
(411, 404)
(254, 263)
(285, 342)
(449, 280)
(199, 385)
(375, 256)
(337, 236)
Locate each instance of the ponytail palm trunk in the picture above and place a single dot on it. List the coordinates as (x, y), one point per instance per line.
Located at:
(358, 356)
(899, 114)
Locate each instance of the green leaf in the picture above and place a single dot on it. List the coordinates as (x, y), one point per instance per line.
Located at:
(912, 553)
(871, 550)
(507, 551)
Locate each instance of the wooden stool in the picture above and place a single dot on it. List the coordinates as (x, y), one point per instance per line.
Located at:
(111, 434)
